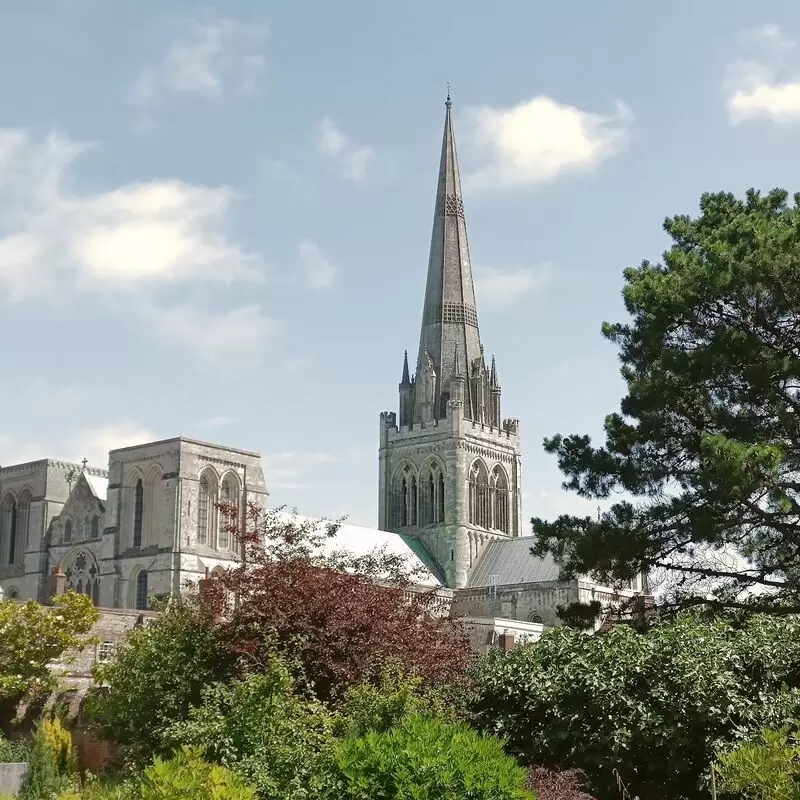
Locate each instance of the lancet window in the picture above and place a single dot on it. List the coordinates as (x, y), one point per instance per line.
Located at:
(9, 531)
(404, 498)
(229, 497)
(431, 501)
(489, 498)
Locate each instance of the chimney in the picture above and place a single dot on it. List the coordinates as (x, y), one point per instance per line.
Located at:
(507, 641)
(57, 583)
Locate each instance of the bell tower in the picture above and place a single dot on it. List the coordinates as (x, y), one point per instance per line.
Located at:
(449, 464)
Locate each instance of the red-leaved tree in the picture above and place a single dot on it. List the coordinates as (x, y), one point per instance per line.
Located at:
(339, 616)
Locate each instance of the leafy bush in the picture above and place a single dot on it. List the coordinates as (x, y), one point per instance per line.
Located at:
(656, 706)
(33, 635)
(51, 764)
(157, 675)
(371, 707)
(429, 759)
(766, 768)
(187, 776)
(13, 751)
(280, 742)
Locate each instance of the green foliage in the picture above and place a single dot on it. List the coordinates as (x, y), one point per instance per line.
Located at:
(33, 635)
(371, 707)
(428, 759)
(13, 751)
(188, 777)
(280, 742)
(156, 677)
(707, 439)
(655, 706)
(51, 764)
(766, 768)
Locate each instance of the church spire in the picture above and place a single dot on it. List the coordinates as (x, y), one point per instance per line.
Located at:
(450, 320)
(405, 380)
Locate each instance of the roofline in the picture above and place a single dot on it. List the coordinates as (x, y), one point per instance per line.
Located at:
(188, 441)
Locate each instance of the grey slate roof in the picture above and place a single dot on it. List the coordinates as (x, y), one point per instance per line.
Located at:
(508, 561)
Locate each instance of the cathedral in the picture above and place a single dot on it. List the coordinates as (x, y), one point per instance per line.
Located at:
(449, 485)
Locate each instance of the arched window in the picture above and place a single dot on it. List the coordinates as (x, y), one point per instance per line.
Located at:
(141, 591)
(229, 498)
(500, 500)
(23, 521)
(479, 500)
(404, 498)
(138, 512)
(82, 574)
(8, 531)
(432, 494)
(95, 529)
(68, 530)
(203, 501)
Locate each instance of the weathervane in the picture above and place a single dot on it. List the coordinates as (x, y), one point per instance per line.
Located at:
(448, 91)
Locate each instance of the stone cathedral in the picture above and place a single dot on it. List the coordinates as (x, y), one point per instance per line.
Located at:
(450, 494)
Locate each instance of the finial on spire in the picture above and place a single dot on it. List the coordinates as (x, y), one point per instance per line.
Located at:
(84, 463)
(448, 101)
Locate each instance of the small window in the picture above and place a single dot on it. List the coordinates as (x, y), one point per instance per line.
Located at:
(95, 527)
(68, 531)
(106, 652)
(141, 591)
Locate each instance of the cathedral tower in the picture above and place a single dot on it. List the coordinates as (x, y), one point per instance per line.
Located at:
(449, 463)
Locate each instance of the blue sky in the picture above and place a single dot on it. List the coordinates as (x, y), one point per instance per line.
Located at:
(214, 221)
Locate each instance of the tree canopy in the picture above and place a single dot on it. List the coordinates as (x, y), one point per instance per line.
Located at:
(33, 635)
(704, 453)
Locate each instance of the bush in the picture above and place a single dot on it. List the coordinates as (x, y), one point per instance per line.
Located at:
(187, 776)
(51, 764)
(429, 759)
(279, 741)
(155, 679)
(13, 752)
(767, 768)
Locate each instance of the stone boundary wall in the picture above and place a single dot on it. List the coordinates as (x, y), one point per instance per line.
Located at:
(12, 776)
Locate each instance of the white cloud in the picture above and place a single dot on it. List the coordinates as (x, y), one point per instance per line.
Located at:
(95, 444)
(353, 160)
(235, 336)
(500, 289)
(541, 139)
(319, 272)
(766, 86)
(52, 238)
(213, 55)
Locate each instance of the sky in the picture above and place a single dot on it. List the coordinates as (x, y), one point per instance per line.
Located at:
(215, 220)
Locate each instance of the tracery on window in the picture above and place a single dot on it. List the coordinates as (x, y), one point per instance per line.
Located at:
(404, 497)
(82, 574)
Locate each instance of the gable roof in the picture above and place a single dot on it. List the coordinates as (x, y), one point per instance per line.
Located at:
(509, 561)
(360, 541)
(98, 485)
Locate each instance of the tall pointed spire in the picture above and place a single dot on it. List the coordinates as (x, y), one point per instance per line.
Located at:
(406, 379)
(449, 317)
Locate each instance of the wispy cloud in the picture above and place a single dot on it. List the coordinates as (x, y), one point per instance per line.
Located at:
(540, 140)
(352, 160)
(502, 288)
(767, 84)
(212, 55)
(237, 336)
(319, 272)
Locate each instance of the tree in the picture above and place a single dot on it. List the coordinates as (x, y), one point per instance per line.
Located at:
(707, 440)
(656, 706)
(429, 759)
(157, 675)
(32, 636)
(766, 768)
(341, 617)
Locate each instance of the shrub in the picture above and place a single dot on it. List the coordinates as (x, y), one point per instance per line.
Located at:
(187, 776)
(429, 759)
(279, 741)
(13, 751)
(766, 768)
(51, 763)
